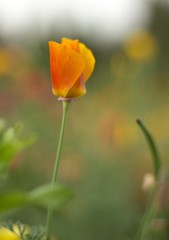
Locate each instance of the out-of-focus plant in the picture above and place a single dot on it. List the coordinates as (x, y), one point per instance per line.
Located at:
(141, 46)
(11, 143)
(42, 196)
(6, 234)
(151, 182)
(19, 231)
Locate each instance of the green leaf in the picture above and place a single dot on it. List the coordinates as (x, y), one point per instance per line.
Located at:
(50, 196)
(11, 143)
(13, 200)
(43, 196)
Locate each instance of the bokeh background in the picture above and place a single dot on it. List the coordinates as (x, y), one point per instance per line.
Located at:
(105, 155)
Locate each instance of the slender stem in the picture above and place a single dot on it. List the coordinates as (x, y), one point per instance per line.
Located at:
(155, 155)
(56, 165)
(150, 210)
(148, 215)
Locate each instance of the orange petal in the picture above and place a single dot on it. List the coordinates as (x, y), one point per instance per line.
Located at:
(74, 44)
(89, 60)
(78, 89)
(66, 67)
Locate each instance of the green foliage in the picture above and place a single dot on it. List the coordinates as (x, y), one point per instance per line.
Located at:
(42, 196)
(37, 233)
(25, 232)
(150, 212)
(11, 143)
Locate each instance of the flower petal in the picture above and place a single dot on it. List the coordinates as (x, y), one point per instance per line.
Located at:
(73, 44)
(78, 89)
(6, 234)
(66, 67)
(89, 60)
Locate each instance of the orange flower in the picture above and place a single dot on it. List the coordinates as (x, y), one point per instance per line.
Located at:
(71, 64)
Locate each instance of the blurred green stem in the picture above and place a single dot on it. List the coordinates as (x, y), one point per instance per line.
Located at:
(150, 210)
(56, 165)
(153, 148)
(148, 216)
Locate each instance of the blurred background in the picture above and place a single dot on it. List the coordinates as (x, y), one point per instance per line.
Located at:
(105, 155)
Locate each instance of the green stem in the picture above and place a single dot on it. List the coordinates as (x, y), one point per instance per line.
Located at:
(56, 165)
(153, 148)
(150, 210)
(148, 215)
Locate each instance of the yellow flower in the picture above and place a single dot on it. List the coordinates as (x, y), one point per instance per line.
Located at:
(6, 234)
(71, 64)
(141, 46)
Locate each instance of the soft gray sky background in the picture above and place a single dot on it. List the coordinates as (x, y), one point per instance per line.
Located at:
(105, 18)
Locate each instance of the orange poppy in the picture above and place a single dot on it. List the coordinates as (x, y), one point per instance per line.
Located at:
(71, 65)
